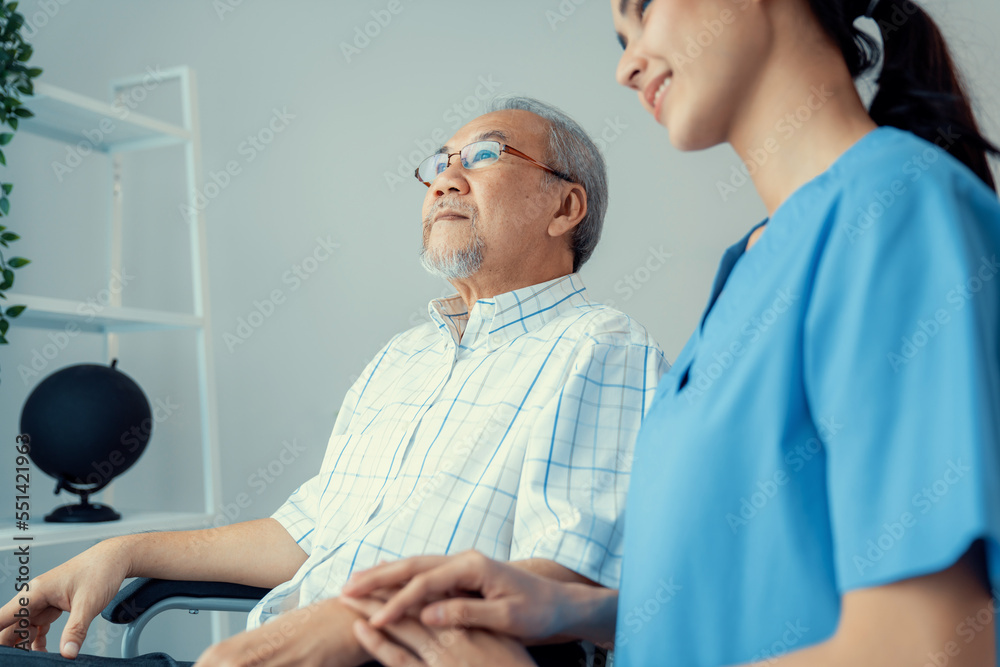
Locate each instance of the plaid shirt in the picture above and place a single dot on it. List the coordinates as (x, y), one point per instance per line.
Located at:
(508, 429)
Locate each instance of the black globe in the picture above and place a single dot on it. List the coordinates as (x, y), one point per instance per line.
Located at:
(87, 424)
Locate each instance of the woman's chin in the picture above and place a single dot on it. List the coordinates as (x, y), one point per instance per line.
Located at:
(686, 138)
(682, 141)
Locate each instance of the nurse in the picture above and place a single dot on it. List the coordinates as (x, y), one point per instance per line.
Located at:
(818, 479)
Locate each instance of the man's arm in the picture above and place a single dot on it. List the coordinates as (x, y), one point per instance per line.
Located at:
(256, 553)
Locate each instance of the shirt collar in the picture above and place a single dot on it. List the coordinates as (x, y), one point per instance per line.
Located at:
(499, 319)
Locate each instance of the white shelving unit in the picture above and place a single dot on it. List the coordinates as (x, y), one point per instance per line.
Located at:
(65, 116)
(49, 534)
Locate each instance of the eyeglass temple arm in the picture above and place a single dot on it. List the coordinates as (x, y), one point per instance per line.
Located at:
(514, 151)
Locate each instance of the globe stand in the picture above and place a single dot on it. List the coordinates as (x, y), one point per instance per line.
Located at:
(83, 511)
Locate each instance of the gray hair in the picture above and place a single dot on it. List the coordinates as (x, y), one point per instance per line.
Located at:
(572, 152)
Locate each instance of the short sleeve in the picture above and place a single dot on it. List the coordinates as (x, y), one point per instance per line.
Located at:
(902, 355)
(571, 494)
(298, 514)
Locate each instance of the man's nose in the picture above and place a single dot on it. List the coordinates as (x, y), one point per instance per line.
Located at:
(451, 180)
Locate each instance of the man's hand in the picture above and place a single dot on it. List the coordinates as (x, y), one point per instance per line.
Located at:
(515, 602)
(319, 634)
(409, 643)
(82, 586)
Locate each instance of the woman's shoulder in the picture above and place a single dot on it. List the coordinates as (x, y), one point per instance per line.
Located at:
(893, 182)
(898, 164)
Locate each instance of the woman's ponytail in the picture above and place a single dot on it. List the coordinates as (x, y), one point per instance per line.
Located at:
(919, 87)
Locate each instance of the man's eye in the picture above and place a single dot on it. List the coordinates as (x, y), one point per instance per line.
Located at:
(643, 4)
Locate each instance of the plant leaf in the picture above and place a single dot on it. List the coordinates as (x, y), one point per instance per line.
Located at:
(12, 122)
(23, 113)
(14, 311)
(7, 187)
(18, 262)
(4, 325)
(9, 236)
(8, 279)
(3, 159)
(5, 209)
(5, 138)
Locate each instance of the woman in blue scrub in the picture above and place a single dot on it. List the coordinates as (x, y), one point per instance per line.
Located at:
(817, 481)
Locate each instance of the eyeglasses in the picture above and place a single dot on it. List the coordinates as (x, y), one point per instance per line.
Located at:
(476, 155)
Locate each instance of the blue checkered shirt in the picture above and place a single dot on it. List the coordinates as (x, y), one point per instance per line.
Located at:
(507, 429)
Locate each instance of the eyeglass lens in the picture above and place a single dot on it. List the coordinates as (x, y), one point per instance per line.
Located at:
(475, 155)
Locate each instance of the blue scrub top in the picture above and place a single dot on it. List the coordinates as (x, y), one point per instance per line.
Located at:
(834, 422)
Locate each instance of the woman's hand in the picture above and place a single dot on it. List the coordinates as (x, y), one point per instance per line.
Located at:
(514, 602)
(409, 643)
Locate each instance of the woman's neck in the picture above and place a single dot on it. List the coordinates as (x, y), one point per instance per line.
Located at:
(806, 113)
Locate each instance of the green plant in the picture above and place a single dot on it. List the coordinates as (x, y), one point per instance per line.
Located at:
(15, 81)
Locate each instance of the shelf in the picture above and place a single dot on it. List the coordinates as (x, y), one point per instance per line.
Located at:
(69, 117)
(44, 312)
(47, 534)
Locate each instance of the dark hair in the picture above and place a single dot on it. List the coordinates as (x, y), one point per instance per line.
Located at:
(919, 87)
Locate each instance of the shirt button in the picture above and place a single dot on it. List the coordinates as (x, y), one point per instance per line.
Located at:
(496, 339)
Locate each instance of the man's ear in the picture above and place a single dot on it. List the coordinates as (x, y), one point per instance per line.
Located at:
(572, 209)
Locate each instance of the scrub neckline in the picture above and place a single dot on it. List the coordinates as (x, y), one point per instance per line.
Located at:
(739, 249)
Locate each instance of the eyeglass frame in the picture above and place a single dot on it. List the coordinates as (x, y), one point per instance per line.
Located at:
(504, 148)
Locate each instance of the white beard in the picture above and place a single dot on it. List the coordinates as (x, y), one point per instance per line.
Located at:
(455, 264)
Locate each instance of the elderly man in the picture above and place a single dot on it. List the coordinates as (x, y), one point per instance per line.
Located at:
(503, 425)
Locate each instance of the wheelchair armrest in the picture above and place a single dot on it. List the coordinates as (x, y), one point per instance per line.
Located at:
(133, 600)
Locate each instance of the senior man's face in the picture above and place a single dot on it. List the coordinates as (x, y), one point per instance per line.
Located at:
(476, 219)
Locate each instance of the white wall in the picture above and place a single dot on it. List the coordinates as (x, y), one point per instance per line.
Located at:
(353, 119)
